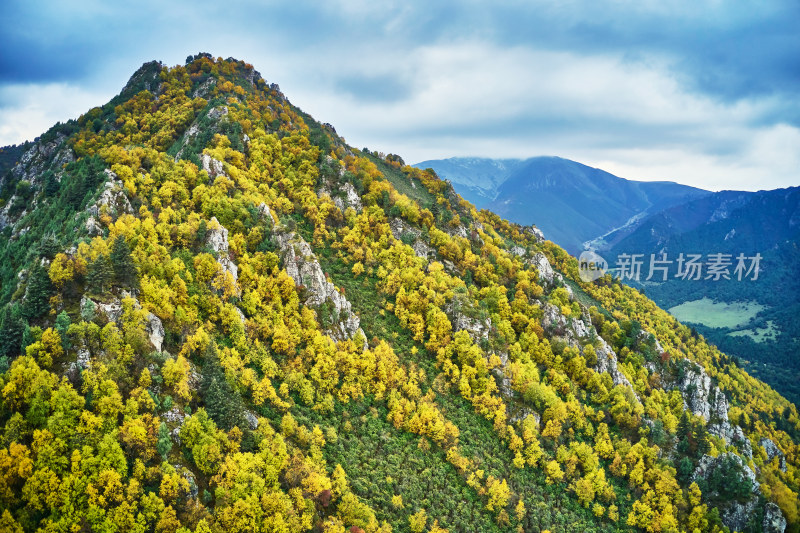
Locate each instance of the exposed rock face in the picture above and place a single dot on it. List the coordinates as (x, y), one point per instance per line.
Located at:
(113, 311)
(540, 261)
(478, 329)
(217, 240)
(705, 399)
(215, 114)
(351, 197)
(40, 157)
(205, 88)
(607, 362)
(175, 417)
(303, 267)
(265, 212)
(212, 166)
(517, 250)
(772, 452)
(400, 228)
(457, 231)
(112, 201)
(734, 514)
(536, 232)
(252, 419)
(774, 521)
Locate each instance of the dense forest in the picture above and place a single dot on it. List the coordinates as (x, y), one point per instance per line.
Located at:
(218, 316)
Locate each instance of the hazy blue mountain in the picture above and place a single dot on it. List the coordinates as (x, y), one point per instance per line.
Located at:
(571, 202)
(475, 178)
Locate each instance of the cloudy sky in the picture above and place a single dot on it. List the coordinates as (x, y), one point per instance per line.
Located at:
(702, 92)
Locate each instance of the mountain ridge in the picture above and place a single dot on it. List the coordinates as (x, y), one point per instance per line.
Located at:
(549, 190)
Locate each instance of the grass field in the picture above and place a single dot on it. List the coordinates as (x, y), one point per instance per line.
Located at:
(716, 314)
(768, 333)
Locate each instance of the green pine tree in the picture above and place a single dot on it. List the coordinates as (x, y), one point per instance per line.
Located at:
(164, 443)
(125, 271)
(12, 326)
(37, 293)
(99, 275)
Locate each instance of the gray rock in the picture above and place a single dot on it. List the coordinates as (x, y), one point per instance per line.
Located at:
(113, 198)
(93, 227)
(217, 240)
(457, 231)
(705, 399)
(607, 362)
(212, 166)
(252, 419)
(543, 267)
(734, 514)
(205, 88)
(400, 227)
(265, 211)
(773, 451)
(112, 310)
(303, 267)
(774, 521)
(155, 331)
(518, 251)
(536, 232)
(351, 197)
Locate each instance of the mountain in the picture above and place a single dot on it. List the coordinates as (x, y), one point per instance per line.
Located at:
(570, 202)
(218, 316)
(755, 320)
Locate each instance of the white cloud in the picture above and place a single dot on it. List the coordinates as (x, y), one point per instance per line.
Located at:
(28, 110)
(631, 118)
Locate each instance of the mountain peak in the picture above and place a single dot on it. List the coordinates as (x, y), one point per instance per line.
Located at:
(230, 319)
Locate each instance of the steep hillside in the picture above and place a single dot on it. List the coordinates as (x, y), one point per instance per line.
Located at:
(220, 317)
(572, 203)
(731, 222)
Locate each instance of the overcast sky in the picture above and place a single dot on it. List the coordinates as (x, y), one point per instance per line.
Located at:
(702, 92)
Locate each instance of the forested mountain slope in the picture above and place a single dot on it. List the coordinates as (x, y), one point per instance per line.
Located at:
(218, 316)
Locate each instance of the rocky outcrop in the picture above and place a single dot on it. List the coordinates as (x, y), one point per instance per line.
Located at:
(463, 319)
(535, 232)
(113, 311)
(112, 201)
(774, 521)
(217, 240)
(519, 251)
(543, 267)
(456, 231)
(735, 514)
(348, 196)
(773, 451)
(175, 418)
(303, 267)
(351, 197)
(607, 362)
(40, 157)
(215, 114)
(402, 231)
(212, 166)
(703, 398)
(252, 419)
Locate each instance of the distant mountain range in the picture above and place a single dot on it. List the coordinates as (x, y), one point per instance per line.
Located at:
(580, 207)
(570, 202)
